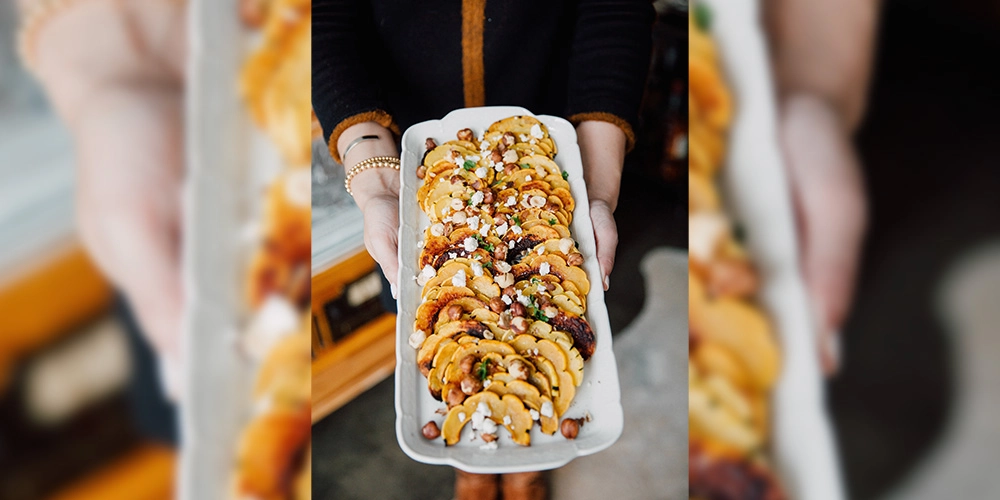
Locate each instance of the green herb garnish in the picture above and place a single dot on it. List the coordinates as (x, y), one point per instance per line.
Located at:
(524, 166)
(483, 370)
(539, 315)
(552, 222)
(517, 220)
(469, 165)
(489, 265)
(703, 17)
(565, 175)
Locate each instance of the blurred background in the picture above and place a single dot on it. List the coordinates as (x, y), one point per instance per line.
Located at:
(912, 403)
(68, 416)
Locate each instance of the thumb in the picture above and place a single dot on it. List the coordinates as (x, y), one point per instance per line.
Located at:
(606, 234)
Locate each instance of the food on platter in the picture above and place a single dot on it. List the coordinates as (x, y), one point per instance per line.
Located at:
(500, 332)
(272, 457)
(734, 360)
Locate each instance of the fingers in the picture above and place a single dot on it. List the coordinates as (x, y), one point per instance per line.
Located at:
(606, 234)
(381, 235)
(832, 214)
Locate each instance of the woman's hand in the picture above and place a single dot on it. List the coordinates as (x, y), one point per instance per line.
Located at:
(830, 203)
(376, 192)
(114, 73)
(602, 147)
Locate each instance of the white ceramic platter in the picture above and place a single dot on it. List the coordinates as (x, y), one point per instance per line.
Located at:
(599, 394)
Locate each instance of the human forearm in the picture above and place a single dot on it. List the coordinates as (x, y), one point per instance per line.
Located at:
(602, 147)
(823, 51)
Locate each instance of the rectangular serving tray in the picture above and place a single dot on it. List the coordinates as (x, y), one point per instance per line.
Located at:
(599, 394)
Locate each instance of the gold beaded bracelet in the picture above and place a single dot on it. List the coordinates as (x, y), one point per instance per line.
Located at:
(373, 162)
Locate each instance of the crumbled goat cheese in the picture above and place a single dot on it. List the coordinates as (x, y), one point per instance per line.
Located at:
(417, 339)
(459, 278)
(470, 244)
(544, 268)
(536, 131)
(547, 410)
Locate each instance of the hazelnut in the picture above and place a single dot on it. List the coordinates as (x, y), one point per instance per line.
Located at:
(517, 369)
(487, 197)
(466, 364)
(455, 179)
(454, 312)
(437, 229)
(457, 204)
(465, 134)
(489, 438)
(510, 291)
(550, 286)
(509, 168)
(471, 385)
(496, 156)
(448, 228)
(497, 305)
(501, 147)
(574, 259)
(537, 201)
(509, 139)
(570, 427)
(454, 397)
(550, 311)
(510, 156)
(504, 280)
(519, 325)
(517, 309)
(477, 185)
(459, 217)
(504, 321)
(500, 252)
(421, 172)
(430, 429)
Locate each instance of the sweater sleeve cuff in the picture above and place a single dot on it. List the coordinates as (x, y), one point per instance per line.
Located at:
(610, 118)
(378, 116)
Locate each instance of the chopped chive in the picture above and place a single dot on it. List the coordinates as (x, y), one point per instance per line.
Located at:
(703, 17)
(469, 165)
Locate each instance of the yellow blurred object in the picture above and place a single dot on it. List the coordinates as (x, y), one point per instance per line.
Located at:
(146, 473)
(734, 359)
(50, 297)
(277, 78)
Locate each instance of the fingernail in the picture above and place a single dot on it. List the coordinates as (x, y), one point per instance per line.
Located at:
(393, 291)
(607, 282)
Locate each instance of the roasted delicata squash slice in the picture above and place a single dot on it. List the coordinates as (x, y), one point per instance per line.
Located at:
(567, 360)
(554, 264)
(507, 410)
(427, 312)
(520, 125)
(532, 398)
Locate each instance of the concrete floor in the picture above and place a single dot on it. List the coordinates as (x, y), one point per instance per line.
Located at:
(355, 454)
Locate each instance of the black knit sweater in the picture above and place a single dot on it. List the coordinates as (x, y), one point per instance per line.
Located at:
(400, 62)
